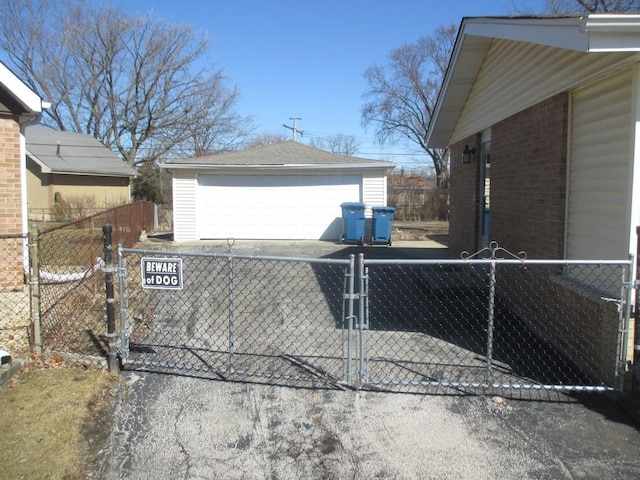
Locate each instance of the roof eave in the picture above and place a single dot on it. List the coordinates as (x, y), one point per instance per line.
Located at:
(612, 33)
(43, 166)
(592, 33)
(30, 101)
(92, 174)
(47, 169)
(350, 166)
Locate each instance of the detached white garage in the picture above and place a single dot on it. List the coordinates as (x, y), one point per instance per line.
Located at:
(281, 191)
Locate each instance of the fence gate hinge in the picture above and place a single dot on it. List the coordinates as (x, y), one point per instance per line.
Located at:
(354, 296)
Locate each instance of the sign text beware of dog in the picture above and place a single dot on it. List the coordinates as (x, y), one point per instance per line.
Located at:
(164, 273)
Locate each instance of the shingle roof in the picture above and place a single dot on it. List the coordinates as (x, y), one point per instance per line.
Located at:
(285, 154)
(77, 153)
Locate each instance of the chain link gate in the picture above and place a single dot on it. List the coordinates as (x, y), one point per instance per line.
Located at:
(494, 324)
(276, 320)
(474, 324)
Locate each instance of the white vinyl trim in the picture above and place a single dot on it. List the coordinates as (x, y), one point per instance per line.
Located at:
(374, 188)
(184, 206)
(635, 140)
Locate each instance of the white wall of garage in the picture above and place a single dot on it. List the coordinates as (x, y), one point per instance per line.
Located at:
(184, 206)
(270, 205)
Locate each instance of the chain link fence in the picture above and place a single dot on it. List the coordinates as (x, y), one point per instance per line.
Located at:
(496, 324)
(273, 320)
(71, 299)
(394, 325)
(15, 321)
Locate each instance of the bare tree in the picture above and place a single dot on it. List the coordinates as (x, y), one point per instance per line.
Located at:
(401, 95)
(339, 143)
(266, 138)
(582, 6)
(134, 83)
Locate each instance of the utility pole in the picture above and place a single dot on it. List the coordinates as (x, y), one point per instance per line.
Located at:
(294, 129)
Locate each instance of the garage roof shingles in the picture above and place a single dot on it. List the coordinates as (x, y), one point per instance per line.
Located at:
(279, 154)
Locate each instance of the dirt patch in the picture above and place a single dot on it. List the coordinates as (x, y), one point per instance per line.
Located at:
(418, 231)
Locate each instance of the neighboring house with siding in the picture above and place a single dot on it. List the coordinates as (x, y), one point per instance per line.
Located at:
(68, 170)
(547, 110)
(281, 191)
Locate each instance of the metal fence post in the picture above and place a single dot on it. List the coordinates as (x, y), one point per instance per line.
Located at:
(232, 338)
(363, 326)
(350, 295)
(124, 314)
(34, 257)
(490, 321)
(624, 318)
(107, 231)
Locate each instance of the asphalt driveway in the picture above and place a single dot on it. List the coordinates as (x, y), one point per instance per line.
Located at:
(179, 426)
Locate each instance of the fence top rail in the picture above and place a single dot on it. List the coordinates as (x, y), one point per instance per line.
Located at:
(7, 236)
(236, 256)
(488, 261)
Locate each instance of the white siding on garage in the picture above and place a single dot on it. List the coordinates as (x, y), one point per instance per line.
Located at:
(274, 206)
(184, 205)
(599, 175)
(517, 75)
(374, 187)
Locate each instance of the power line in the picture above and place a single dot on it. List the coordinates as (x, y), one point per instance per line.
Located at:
(294, 129)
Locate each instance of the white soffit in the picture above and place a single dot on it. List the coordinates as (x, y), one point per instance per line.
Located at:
(592, 33)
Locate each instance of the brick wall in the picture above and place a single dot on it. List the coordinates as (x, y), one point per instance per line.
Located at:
(528, 190)
(10, 182)
(11, 273)
(463, 200)
(528, 179)
(570, 315)
(14, 294)
(528, 183)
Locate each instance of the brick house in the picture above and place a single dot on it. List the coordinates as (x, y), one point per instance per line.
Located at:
(19, 106)
(542, 120)
(548, 109)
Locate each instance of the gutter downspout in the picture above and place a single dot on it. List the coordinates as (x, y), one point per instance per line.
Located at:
(33, 120)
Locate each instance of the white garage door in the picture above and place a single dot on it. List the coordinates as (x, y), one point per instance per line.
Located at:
(273, 206)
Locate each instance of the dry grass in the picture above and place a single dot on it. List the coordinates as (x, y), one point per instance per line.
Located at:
(54, 422)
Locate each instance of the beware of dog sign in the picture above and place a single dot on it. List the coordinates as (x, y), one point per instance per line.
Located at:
(164, 273)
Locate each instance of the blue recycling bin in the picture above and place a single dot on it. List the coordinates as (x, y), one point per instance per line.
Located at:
(352, 222)
(381, 225)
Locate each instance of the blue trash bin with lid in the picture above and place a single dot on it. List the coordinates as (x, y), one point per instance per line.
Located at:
(352, 222)
(381, 225)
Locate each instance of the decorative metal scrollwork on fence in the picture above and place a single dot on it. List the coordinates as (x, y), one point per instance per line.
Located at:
(493, 249)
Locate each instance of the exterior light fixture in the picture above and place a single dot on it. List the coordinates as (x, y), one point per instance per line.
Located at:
(467, 154)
